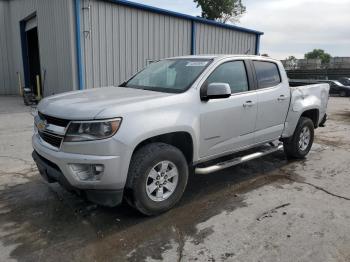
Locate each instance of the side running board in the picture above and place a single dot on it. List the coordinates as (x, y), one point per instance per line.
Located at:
(237, 160)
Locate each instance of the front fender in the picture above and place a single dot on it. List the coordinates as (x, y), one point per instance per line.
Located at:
(142, 126)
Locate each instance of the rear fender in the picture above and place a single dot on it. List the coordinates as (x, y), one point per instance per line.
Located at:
(300, 103)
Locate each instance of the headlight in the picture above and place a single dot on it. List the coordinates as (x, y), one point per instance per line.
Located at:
(91, 130)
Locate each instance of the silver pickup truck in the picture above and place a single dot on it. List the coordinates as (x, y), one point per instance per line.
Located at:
(178, 116)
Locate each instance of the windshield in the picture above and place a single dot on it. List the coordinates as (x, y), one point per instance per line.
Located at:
(171, 75)
(338, 83)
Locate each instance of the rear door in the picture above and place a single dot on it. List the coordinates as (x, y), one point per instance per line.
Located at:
(273, 101)
(228, 124)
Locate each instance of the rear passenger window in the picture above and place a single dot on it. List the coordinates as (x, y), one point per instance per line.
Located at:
(267, 74)
(232, 73)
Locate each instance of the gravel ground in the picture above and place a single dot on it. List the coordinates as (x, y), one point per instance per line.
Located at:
(269, 209)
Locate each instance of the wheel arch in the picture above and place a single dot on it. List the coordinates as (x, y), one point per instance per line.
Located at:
(313, 114)
(294, 116)
(182, 140)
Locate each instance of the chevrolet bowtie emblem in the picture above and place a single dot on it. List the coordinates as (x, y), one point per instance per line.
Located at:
(41, 125)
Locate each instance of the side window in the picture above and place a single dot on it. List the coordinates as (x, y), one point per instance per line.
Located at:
(267, 74)
(232, 73)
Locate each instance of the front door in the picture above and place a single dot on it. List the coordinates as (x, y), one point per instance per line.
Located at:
(228, 124)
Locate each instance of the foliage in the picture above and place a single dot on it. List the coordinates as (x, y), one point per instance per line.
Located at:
(319, 54)
(222, 10)
(291, 62)
(291, 58)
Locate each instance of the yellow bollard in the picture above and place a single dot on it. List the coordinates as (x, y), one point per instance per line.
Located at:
(38, 87)
(20, 84)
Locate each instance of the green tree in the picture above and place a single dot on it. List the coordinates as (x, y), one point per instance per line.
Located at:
(319, 54)
(291, 58)
(222, 10)
(291, 62)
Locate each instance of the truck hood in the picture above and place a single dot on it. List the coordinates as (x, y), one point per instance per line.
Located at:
(88, 104)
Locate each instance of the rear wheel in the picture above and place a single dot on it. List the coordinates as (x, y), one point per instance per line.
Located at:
(158, 177)
(299, 145)
(342, 93)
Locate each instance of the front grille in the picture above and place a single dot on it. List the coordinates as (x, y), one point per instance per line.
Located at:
(54, 120)
(51, 139)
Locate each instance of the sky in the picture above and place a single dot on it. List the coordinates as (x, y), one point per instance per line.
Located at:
(291, 27)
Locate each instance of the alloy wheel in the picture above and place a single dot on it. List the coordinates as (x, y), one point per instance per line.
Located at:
(162, 181)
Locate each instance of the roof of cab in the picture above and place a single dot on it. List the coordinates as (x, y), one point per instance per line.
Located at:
(222, 56)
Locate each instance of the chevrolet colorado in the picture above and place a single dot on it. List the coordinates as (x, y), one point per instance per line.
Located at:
(140, 141)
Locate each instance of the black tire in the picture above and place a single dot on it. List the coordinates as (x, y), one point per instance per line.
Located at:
(141, 164)
(342, 93)
(291, 145)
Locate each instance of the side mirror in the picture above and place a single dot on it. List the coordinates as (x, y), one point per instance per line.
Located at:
(216, 91)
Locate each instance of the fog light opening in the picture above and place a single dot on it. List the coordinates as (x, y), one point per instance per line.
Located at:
(88, 172)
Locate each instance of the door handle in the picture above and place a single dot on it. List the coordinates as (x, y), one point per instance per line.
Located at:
(281, 98)
(248, 104)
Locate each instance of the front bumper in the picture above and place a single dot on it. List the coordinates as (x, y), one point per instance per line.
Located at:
(51, 173)
(56, 166)
(113, 176)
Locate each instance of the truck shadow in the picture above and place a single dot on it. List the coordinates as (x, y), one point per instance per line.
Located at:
(37, 219)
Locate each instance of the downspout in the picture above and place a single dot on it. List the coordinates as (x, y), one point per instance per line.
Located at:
(257, 45)
(193, 37)
(78, 45)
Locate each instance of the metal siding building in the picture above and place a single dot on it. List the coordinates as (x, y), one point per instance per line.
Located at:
(93, 43)
(217, 40)
(55, 23)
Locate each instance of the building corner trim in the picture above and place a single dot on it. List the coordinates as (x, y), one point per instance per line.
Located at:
(77, 9)
(257, 45)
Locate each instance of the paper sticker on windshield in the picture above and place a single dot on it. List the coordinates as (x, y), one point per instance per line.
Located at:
(201, 63)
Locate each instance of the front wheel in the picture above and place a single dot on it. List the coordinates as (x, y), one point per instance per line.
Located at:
(158, 177)
(299, 145)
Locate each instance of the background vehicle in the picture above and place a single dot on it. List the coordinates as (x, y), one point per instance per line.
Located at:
(345, 81)
(337, 88)
(140, 141)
